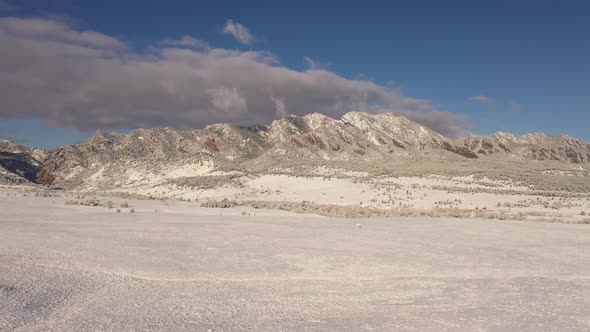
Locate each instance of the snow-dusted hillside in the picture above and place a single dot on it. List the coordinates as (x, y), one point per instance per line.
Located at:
(19, 164)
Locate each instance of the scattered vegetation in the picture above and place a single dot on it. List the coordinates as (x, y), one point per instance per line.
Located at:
(221, 204)
(206, 182)
(354, 211)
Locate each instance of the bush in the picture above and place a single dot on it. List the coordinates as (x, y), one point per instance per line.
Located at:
(224, 203)
(91, 202)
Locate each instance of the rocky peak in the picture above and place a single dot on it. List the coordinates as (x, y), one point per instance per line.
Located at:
(317, 120)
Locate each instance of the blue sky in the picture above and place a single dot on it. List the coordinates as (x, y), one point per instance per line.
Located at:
(516, 66)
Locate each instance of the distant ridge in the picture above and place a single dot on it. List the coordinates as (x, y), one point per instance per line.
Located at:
(313, 138)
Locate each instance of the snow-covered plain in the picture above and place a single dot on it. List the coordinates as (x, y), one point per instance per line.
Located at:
(173, 266)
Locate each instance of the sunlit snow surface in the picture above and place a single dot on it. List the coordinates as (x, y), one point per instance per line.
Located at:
(175, 267)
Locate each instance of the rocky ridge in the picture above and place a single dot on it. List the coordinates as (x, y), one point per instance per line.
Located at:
(358, 137)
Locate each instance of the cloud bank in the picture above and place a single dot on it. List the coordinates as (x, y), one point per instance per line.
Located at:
(88, 80)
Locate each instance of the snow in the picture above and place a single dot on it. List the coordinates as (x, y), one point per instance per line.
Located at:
(186, 268)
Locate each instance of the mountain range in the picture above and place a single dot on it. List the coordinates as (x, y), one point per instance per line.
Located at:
(311, 139)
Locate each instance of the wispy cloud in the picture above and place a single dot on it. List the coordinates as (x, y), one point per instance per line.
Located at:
(483, 99)
(239, 32)
(186, 41)
(88, 80)
(315, 65)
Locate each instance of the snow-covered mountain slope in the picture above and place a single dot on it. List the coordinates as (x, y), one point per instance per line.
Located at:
(538, 146)
(111, 159)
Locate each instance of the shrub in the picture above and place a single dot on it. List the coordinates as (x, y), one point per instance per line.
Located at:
(91, 202)
(224, 203)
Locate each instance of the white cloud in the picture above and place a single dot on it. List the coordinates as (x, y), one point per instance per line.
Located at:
(315, 65)
(89, 81)
(186, 41)
(483, 100)
(57, 32)
(280, 108)
(239, 32)
(228, 100)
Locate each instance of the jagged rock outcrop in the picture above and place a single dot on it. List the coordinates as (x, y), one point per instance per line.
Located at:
(356, 134)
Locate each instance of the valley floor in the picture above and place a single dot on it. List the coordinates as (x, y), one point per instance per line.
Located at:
(177, 266)
(341, 193)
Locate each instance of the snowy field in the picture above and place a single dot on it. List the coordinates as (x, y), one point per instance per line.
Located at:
(171, 266)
